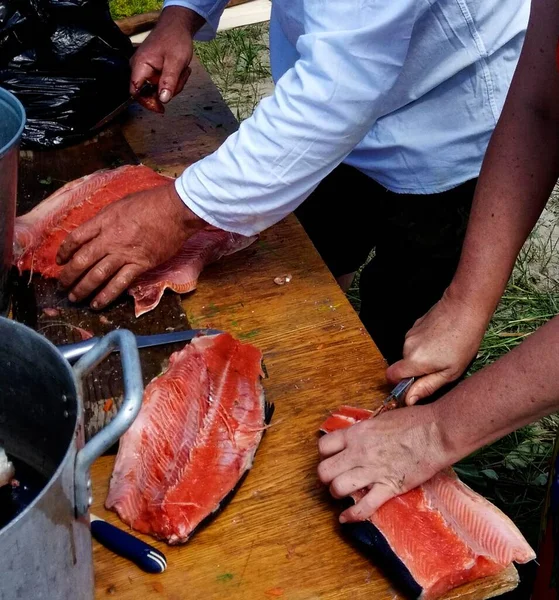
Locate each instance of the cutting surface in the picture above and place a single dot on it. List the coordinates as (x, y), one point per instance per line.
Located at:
(278, 538)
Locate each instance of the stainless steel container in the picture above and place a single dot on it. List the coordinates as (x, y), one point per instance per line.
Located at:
(12, 121)
(46, 551)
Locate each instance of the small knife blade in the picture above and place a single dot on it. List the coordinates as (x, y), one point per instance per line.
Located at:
(73, 352)
(398, 394)
(146, 90)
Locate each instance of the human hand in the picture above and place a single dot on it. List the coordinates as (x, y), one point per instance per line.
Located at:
(124, 240)
(164, 56)
(439, 347)
(390, 454)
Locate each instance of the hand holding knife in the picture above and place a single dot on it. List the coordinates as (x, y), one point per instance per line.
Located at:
(396, 398)
(145, 91)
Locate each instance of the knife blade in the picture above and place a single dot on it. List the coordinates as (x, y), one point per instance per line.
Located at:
(398, 394)
(146, 90)
(73, 352)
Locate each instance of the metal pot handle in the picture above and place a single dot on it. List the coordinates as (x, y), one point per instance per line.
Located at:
(131, 404)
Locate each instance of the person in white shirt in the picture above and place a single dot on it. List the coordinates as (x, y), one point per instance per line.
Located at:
(374, 135)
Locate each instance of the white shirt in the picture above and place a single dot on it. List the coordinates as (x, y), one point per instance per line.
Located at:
(407, 91)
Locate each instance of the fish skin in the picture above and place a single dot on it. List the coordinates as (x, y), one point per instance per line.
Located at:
(181, 272)
(452, 535)
(39, 233)
(194, 439)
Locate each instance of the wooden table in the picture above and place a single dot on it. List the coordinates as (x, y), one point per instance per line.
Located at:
(279, 537)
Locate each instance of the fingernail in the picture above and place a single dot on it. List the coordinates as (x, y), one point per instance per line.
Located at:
(413, 399)
(95, 305)
(343, 519)
(72, 298)
(58, 261)
(165, 96)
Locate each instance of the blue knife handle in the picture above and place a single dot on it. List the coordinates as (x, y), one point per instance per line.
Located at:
(126, 545)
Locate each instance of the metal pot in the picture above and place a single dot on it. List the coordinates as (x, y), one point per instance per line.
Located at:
(45, 550)
(12, 122)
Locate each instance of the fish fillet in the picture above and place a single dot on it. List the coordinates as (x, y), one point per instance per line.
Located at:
(180, 273)
(194, 438)
(39, 233)
(439, 535)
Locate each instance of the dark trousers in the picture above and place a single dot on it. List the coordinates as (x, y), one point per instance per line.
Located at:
(417, 241)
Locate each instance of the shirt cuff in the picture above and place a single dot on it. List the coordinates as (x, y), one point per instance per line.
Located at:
(205, 216)
(209, 30)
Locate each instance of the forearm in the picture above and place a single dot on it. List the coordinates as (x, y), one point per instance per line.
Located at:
(320, 110)
(516, 390)
(519, 171)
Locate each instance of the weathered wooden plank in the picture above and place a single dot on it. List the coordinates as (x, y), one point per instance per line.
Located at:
(138, 23)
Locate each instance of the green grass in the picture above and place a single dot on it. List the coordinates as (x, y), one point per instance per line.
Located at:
(238, 62)
(128, 8)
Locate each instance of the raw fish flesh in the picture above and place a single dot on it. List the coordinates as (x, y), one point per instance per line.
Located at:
(39, 233)
(7, 471)
(194, 438)
(437, 536)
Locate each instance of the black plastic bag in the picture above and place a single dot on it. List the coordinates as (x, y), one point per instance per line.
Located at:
(67, 62)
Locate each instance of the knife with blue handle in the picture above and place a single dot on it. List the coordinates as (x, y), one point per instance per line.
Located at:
(73, 352)
(124, 544)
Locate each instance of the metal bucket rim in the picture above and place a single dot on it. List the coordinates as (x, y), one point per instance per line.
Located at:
(17, 105)
(55, 476)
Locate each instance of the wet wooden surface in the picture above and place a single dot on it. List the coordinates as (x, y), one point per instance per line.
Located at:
(279, 537)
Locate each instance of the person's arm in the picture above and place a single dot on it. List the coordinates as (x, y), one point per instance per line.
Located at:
(401, 449)
(519, 171)
(350, 57)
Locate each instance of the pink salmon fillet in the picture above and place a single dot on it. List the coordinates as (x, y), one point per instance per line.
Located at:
(180, 273)
(39, 233)
(445, 533)
(195, 437)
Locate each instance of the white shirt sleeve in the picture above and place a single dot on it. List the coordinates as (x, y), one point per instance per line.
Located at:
(351, 54)
(210, 10)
